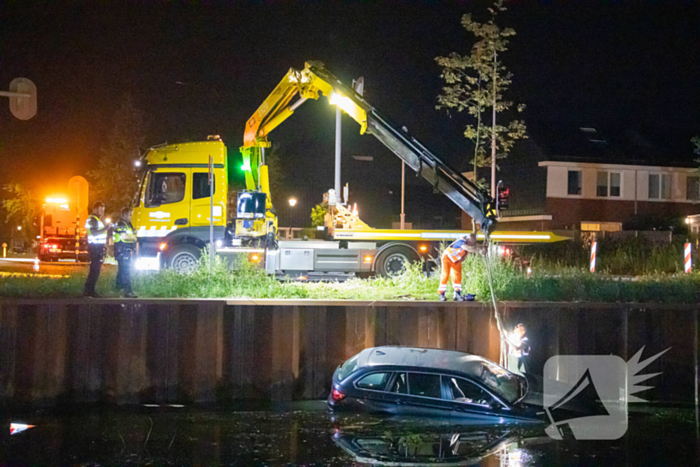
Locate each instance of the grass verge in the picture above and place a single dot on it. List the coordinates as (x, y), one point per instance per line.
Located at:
(247, 281)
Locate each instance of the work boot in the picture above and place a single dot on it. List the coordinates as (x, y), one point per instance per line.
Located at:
(458, 296)
(442, 297)
(470, 297)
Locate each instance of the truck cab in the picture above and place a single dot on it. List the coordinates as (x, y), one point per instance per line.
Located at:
(172, 210)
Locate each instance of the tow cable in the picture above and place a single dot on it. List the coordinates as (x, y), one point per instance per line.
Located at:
(497, 314)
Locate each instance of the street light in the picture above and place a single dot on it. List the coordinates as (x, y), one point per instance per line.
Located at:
(19, 227)
(292, 203)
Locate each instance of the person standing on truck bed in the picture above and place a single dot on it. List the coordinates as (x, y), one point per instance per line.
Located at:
(97, 242)
(124, 246)
(452, 260)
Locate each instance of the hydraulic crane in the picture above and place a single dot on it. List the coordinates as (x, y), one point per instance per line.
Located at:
(312, 82)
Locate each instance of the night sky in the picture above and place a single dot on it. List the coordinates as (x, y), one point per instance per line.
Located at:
(203, 68)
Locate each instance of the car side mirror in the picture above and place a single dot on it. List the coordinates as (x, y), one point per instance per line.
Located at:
(495, 405)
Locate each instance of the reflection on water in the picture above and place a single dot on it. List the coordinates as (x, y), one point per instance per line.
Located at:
(306, 434)
(473, 447)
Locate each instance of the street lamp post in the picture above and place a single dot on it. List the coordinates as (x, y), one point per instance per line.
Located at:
(292, 203)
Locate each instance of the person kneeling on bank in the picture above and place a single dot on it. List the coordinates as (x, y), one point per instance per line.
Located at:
(452, 260)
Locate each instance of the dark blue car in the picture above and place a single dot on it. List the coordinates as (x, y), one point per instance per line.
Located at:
(429, 382)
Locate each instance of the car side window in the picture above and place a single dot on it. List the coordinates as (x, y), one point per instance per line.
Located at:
(467, 392)
(423, 384)
(376, 381)
(400, 384)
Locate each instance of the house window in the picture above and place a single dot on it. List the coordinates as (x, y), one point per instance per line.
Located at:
(659, 186)
(574, 183)
(615, 184)
(608, 184)
(692, 188)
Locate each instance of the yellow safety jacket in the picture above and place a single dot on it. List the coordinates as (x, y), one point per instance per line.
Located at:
(124, 234)
(94, 223)
(457, 251)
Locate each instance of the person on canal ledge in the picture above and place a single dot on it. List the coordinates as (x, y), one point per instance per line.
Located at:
(97, 241)
(452, 260)
(124, 246)
(518, 350)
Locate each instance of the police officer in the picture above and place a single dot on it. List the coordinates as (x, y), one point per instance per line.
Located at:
(124, 246)
(97, 241)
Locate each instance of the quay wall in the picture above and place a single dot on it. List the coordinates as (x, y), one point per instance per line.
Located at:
(214, 351)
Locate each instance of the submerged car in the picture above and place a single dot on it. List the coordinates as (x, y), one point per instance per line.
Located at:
(429, 382)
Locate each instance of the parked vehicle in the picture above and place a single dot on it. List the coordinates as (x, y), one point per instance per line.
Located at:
(55, 248)
(429, 382)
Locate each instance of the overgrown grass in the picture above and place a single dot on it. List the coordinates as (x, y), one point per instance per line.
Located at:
(559, 283)
(630, 256)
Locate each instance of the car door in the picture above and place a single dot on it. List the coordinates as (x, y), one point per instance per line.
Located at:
(471, 401)
(423, 395)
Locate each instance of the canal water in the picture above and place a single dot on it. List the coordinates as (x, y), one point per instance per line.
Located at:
(307, 434)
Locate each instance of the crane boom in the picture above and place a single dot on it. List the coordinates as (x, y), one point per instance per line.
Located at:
(315, 80)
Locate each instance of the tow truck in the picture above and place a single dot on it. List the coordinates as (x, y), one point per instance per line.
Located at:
(174, 211)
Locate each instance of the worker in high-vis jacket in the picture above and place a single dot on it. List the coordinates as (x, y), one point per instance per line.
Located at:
(124, 247)
(97, 233)
(452, 260)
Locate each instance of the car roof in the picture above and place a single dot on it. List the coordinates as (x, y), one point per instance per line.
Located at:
(420, 357)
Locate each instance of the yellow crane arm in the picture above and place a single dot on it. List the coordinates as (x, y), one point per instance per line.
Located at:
(315, 80)
(309, 83)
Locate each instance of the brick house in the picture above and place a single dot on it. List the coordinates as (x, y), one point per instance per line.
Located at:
(595, 184)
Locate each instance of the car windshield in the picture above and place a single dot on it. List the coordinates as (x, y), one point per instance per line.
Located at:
(347, 368)
(502, 382)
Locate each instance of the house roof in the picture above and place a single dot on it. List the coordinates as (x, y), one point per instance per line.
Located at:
(613, 145)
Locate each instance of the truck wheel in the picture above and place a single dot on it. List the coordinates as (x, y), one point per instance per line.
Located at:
(394, 260)
(184, 258)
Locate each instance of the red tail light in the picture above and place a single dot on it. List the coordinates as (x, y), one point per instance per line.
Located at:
(337, 395)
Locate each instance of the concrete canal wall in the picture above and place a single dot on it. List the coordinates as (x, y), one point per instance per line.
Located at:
(204, 351)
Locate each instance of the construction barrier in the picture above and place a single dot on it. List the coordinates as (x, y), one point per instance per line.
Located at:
(594, 246)
(688, 260)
